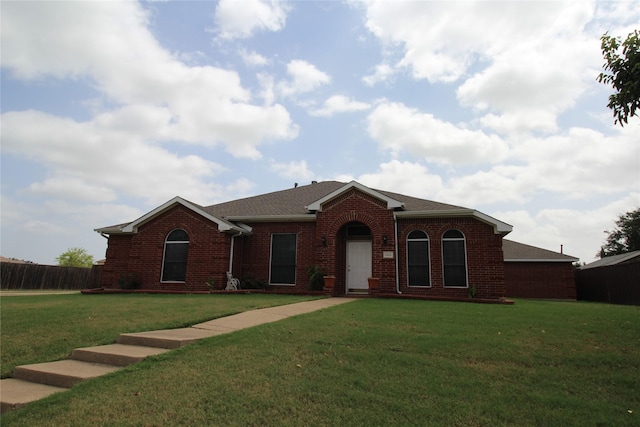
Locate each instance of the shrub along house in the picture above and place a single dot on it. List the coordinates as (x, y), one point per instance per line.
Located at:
(413, 246)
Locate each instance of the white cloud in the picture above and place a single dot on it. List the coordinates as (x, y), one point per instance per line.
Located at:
(267, 88)
(241, 19)
(399, 128)
(381, 73)
(580, 163)
(408, 178)
(253, 59)
(72, 188)
(305, 77)
(441, 40)
(42, 227)
(103, 159)
(201, 104)
(293, 170)
(339, 104)
(520, 63)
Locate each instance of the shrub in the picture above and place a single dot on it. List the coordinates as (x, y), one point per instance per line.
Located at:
(316, 278)
(129, 280)
(248, 282)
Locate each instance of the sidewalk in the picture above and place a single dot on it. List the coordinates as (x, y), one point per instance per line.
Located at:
(23, 293)
(34, 382)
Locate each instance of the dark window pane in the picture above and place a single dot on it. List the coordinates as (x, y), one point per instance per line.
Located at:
(358, 230)
(418, 262)
(283, 259)
(455, 269)
(453, 234)
(417, 234)
(176, 252)
(178, 236)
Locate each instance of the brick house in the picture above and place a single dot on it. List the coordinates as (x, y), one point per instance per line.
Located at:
(532, 272)
(353, 232)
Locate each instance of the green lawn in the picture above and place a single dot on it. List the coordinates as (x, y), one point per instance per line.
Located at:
(43, 328)
(382, 362)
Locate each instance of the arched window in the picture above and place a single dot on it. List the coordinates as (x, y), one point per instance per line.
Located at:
(176, 250)
(454, 259)
(418, 259)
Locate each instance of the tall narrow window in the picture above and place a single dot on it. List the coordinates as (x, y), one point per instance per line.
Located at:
(283, 259)
(454, 259)
(418, 259)
(176, 250)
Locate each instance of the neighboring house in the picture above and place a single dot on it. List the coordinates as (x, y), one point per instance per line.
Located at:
(413, 246)
(628, 258)
(14, 260)
(532, 272)
(613, 279)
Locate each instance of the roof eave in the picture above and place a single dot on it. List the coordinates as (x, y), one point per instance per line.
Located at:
(499, 227)
(109, 230)
(541, 260)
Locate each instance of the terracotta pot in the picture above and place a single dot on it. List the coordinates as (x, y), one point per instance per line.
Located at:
(374, 282)
(329, 282)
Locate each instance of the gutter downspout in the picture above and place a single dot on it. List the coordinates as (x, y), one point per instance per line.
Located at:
(233, 237)
(395, 225)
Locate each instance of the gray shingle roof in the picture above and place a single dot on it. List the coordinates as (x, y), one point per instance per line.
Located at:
(614, 260)
(514, 251)
(294, 201)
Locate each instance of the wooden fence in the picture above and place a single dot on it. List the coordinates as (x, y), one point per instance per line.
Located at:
(615, 284)
(36, 276)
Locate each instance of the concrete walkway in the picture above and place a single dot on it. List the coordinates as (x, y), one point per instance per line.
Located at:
(34, 382)
(26, 293)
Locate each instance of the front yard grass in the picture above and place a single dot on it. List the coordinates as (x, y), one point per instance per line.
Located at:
(380, 362)
(44, 328)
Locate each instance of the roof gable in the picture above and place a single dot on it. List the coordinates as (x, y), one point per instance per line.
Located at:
(132, 227)
(391, 202)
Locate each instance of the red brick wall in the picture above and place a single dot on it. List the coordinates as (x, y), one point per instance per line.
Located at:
(209, 250)
(540, 280)
(485, 266)
(117, 260)
(255, 252)
(142, 253)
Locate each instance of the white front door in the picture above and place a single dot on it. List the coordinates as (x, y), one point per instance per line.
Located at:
(358, 265)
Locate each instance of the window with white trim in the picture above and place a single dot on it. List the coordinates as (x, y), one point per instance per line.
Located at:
(454, 259)
(283, 259)
(176, 251)
(418, 259)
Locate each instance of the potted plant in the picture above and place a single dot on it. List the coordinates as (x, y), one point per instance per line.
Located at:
(374, 283)
(329, 282)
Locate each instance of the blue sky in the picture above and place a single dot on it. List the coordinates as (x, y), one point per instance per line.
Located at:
(109, 109)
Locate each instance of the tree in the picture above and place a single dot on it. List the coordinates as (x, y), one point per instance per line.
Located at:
(625, 238)
(623, 73)
(75, 257)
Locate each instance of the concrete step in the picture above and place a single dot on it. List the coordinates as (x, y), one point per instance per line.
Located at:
(15, 393)
(168, 338)
(63, 373)
(115, 354)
